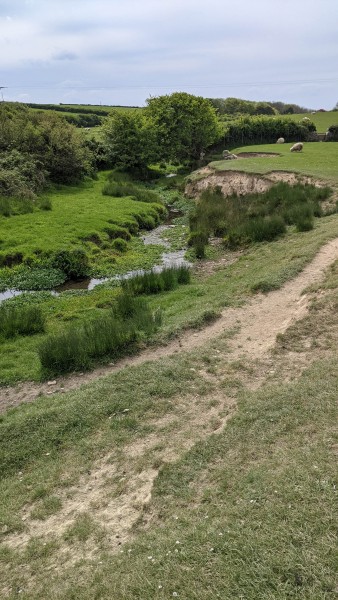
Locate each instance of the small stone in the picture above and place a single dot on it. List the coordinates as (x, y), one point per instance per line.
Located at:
(51, 382)
(126, 410)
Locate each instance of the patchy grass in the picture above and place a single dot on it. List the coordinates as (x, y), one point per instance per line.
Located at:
(261, 268)
(245, 513)
(81, 217)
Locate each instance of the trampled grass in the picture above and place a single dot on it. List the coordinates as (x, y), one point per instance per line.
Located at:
(247, 513)
(318, 159)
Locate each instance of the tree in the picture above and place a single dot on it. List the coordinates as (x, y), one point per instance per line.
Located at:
(185, 125)
(130, 140)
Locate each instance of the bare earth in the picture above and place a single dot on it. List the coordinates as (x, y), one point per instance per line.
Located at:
(259, 322)
(117, 490)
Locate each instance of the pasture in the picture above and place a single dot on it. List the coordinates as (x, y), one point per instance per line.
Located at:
(318, 159)
(204, 472)
(322, 120)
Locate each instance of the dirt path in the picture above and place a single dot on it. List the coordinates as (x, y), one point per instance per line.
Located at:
(258, 323)
(117, 490)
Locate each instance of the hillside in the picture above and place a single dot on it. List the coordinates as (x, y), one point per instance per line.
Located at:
(204, 466)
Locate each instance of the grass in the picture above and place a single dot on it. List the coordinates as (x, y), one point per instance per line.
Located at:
(322, 120)
(24, 320)
(99, 219)
(245, 513)
(318, 159)
(260, 268)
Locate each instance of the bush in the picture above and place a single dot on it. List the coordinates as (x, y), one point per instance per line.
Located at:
(24, 320)
(74, 263)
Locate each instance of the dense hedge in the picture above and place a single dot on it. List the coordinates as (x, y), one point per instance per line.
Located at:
(263, 129)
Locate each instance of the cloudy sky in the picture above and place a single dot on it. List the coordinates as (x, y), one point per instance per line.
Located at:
(123, 51)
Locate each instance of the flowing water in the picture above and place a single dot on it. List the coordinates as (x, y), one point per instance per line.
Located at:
(169, 259)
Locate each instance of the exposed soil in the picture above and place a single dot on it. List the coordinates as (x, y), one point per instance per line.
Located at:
(237, 182)
(257, 154)
(260, 320)
(117, 490)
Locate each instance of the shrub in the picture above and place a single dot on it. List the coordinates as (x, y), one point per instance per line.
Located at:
(74, 263)
(23, 320)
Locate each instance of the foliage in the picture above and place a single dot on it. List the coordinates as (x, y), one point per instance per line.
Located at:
(255, 217)
(259, 129)
(74, 263)
(21, 176)
(332, 133)
(113, 335)
(154, 282)
(130, 140)
(236, 106)
(24, 320)
(46, 140)
(31, 278)
(185, 126)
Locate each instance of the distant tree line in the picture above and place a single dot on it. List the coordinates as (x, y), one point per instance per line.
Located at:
(230, 107)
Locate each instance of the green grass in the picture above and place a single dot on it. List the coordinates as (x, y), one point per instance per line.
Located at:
(263, 267)
(321, 120)
(318, 159)
(246, 513)
(79, 214)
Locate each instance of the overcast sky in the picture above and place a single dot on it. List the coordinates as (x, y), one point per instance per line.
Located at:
(123, 51)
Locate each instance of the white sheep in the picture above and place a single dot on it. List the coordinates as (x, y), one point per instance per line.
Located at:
(297, 147)
(280, 141)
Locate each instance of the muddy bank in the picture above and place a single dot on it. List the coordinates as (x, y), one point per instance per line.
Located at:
(240, 183)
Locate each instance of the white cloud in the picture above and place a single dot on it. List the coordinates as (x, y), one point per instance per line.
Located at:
(150, 44)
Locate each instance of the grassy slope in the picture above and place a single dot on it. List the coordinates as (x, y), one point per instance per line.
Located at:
(78, 212)
(246, 514)
(321, 120)
(251, 508)
(318, 159)
(270, 264)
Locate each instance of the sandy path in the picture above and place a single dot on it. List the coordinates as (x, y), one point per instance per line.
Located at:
(259, 321)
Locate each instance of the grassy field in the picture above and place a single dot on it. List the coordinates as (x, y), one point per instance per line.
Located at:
(245, 513)
(322, 120)
(81, 216)
(318, 159)
(130, 488)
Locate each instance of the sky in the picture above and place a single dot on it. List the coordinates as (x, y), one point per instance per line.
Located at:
(121, 52)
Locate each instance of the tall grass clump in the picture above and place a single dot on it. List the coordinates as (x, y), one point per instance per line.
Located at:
(23, 320)
(121, 189)
(113, 334)
(154, 283)
(242, 220)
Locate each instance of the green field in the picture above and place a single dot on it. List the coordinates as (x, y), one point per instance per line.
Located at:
(322, 120)
(199, 475)
(80, 216)
(318, 159)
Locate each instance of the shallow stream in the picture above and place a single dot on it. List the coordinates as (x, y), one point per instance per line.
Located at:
(168, 258)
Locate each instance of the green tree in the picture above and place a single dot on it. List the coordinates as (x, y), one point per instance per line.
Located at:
(185, 125)
(130, 140)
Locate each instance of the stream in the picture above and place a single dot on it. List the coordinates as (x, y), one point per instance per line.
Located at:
(169, 259)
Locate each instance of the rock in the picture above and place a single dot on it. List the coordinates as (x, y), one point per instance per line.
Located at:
(51, 382)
